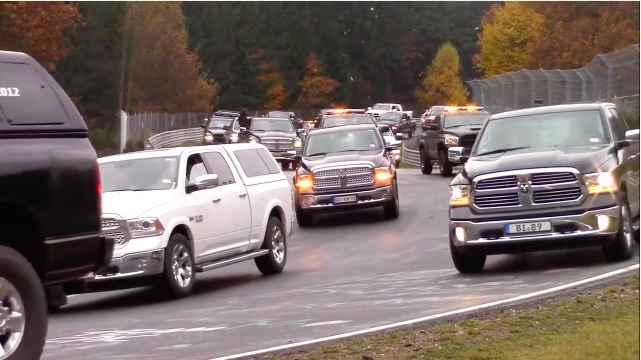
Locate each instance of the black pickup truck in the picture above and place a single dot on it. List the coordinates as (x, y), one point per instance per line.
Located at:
(50, 202)
(547, 178)
(345, 168)
(448, 140)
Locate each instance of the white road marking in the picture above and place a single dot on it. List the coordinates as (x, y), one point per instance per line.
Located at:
(431, 317)
(323, 323)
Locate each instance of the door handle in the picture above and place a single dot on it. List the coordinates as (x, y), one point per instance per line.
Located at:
(242, 195)
(216, 200)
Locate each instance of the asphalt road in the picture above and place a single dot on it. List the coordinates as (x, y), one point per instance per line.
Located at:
(350, 272)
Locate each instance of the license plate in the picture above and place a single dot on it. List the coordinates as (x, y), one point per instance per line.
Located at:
(344, 199)
(529, 227)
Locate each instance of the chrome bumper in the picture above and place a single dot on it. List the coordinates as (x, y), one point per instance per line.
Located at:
(284, 155)
(132, 265)
(456, 155)
(584, 225)
(366, 197)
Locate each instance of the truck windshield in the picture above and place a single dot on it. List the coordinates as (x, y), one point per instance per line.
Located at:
(570, 128)
(465, 119)
(158, 173)
(279, 114)
(265, 124)
(332, 121)
(381, 107)
(342, 141)
(391, 116)
(218, 123)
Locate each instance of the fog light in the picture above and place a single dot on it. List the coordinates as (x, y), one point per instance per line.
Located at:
(142, 264)
(460, 233)
(306, 201)
(603, 221)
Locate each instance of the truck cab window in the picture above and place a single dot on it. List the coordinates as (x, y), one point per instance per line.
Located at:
(195, 168)
(218, 165)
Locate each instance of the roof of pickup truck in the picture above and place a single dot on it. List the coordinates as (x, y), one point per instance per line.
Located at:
(551, 109)
(177, 151)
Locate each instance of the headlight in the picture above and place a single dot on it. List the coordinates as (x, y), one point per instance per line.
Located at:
(254, 140)
(600, 183)
(298, 143)
(209, 137)
(234, 137)
(451, 140)
(304, 181)
(383, 174)
(459, 195)
(145, 227)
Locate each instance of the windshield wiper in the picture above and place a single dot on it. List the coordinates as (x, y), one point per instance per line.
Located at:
(124, 190)
(502, 150)
(317, 154)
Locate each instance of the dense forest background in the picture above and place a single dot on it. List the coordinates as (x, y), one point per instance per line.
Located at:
(199, 56)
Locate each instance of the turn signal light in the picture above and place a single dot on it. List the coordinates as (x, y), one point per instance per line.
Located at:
(304, 182)
(383, 174)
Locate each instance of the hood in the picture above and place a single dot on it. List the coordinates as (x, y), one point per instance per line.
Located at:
(464, 130)
(377, 157)
(391, 140)
(585, 159)
(389, 123)
(262, 134)
(216, 131)
(132, 204)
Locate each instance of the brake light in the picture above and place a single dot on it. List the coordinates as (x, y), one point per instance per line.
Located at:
(96, 170)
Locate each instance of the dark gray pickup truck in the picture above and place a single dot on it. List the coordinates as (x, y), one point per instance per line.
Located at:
(547, 178)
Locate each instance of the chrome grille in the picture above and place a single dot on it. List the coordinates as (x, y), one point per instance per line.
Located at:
(556, 195)
(116, 229)
(500, 200)
(502, 182)
(553, 178)
(353, 176)
(278, 143)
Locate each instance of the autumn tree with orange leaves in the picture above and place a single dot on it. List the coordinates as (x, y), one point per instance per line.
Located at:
(272, 80)
(316, 89)
(36, 28)
(163, 73)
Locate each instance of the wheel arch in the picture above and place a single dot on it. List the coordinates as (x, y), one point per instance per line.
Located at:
(22, 232)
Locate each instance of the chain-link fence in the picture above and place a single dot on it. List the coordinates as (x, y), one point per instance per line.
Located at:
(608, 77)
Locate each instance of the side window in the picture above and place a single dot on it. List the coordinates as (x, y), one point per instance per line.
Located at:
(218, 165)
(195, 168)
(252, 163)
(236, 124)
(619, 127)
(269, 161)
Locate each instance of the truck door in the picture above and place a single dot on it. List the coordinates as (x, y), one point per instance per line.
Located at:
(629, 156)
(432, 137)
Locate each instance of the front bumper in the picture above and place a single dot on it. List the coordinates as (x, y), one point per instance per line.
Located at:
(364, 199)
(288, 155)
(106, 252)
(584, 229)
(458, 154)
(396, 155)
(132, 265)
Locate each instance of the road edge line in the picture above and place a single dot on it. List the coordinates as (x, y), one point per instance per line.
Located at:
(401, 324)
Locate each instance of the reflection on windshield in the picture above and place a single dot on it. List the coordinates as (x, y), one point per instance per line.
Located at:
(346, 120)
(158, 173)
(572, 128)
(219, 123)
(278, 114)
(342, 141)
(271, 125)
(392, 117)
(465, 120)
(381, 107)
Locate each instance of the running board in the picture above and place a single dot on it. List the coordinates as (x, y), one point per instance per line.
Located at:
(229, 261)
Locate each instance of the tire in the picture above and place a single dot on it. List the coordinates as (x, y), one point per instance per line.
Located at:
(393, 209)
(20, 283)
(445, 165)
(276, 242)
(284, 165)
(466, 263)
(304, 219)
(621, 248)
(170, 286)
(426, 164)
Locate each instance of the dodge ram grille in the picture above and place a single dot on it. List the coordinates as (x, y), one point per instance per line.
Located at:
(278, 143)
(116, 229)
(343, 177)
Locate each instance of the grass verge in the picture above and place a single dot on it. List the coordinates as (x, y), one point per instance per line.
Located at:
(600, 324)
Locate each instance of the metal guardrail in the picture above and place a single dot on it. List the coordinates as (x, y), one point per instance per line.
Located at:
(173, 138)
(410, 157)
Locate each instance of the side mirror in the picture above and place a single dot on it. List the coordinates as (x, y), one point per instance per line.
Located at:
(369, 108)
(632, 135)
(203, 182)
(243, 128)
(300, 131)
(226, 127)
(388, 148)
(204, 124)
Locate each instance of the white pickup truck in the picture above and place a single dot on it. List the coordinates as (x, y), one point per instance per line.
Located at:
(379, 109)
(177, 212)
